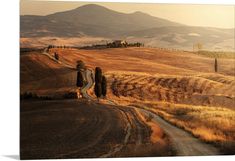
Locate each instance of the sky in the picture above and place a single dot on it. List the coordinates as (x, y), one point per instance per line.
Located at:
(221, 16)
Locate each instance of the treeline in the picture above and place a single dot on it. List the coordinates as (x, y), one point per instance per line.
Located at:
(56, 46)
(113, 45)
(124, 45)
(25, 50)
(33, 96)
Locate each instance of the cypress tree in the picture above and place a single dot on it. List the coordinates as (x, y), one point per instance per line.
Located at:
(98, 90)
(216, 65)
(79, 79)
(104, 86)
(98, 75)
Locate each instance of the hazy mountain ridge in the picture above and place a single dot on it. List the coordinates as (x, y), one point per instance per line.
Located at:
(97, 21)
(92, 20)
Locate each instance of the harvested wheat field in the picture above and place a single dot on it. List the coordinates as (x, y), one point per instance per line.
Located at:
(73, 128)
(146, 60)
(44, 76)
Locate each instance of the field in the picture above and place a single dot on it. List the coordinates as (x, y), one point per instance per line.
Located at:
(179, 86)
(82, 129)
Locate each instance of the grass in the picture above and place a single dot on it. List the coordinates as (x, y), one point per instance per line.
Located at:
(199, 106)
(210, 124)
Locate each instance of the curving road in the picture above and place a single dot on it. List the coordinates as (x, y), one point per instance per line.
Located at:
(183, 142)
(133, 124)
(88, 75)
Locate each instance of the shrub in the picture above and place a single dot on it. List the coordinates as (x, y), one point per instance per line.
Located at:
(28, 95)
(56, 56)
(149, 118)
(80, 65)
(70, 95)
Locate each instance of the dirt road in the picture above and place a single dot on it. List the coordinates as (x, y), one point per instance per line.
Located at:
(133, 124)
(184, 143)
(89, 80)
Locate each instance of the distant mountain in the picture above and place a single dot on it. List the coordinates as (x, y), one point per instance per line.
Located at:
(91, 20)
(97, 21)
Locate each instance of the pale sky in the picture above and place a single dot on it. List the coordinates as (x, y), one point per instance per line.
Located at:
(222, 16)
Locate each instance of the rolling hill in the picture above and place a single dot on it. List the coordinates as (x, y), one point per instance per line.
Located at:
(94, 21)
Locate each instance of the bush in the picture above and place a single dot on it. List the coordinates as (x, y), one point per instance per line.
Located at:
(80, 65)
(33, 96)
(149, 118)
(56, 56)
(28, 95)
(70, 95)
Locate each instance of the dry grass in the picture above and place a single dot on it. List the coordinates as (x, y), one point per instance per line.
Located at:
(218, 54)
(191, 90)
(210, 124)
(146, 60)
(202, 105)
(157, 134)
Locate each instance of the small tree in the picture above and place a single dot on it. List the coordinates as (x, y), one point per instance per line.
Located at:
(216, 65)
(98, 75)
(80, 65)
(98, 90)
(56, 56)
(79, 79)
(104, 86)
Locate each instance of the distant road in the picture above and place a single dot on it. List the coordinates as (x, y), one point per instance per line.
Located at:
(58, 61)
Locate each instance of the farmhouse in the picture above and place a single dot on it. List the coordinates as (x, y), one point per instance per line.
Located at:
(118, 43)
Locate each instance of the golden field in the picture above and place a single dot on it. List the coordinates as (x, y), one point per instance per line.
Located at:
(180, 86)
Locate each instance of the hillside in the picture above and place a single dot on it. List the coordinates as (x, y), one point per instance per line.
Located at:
(90, 20)
(181, 87)
(169, 79)
(74, 27)
(44, 76)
